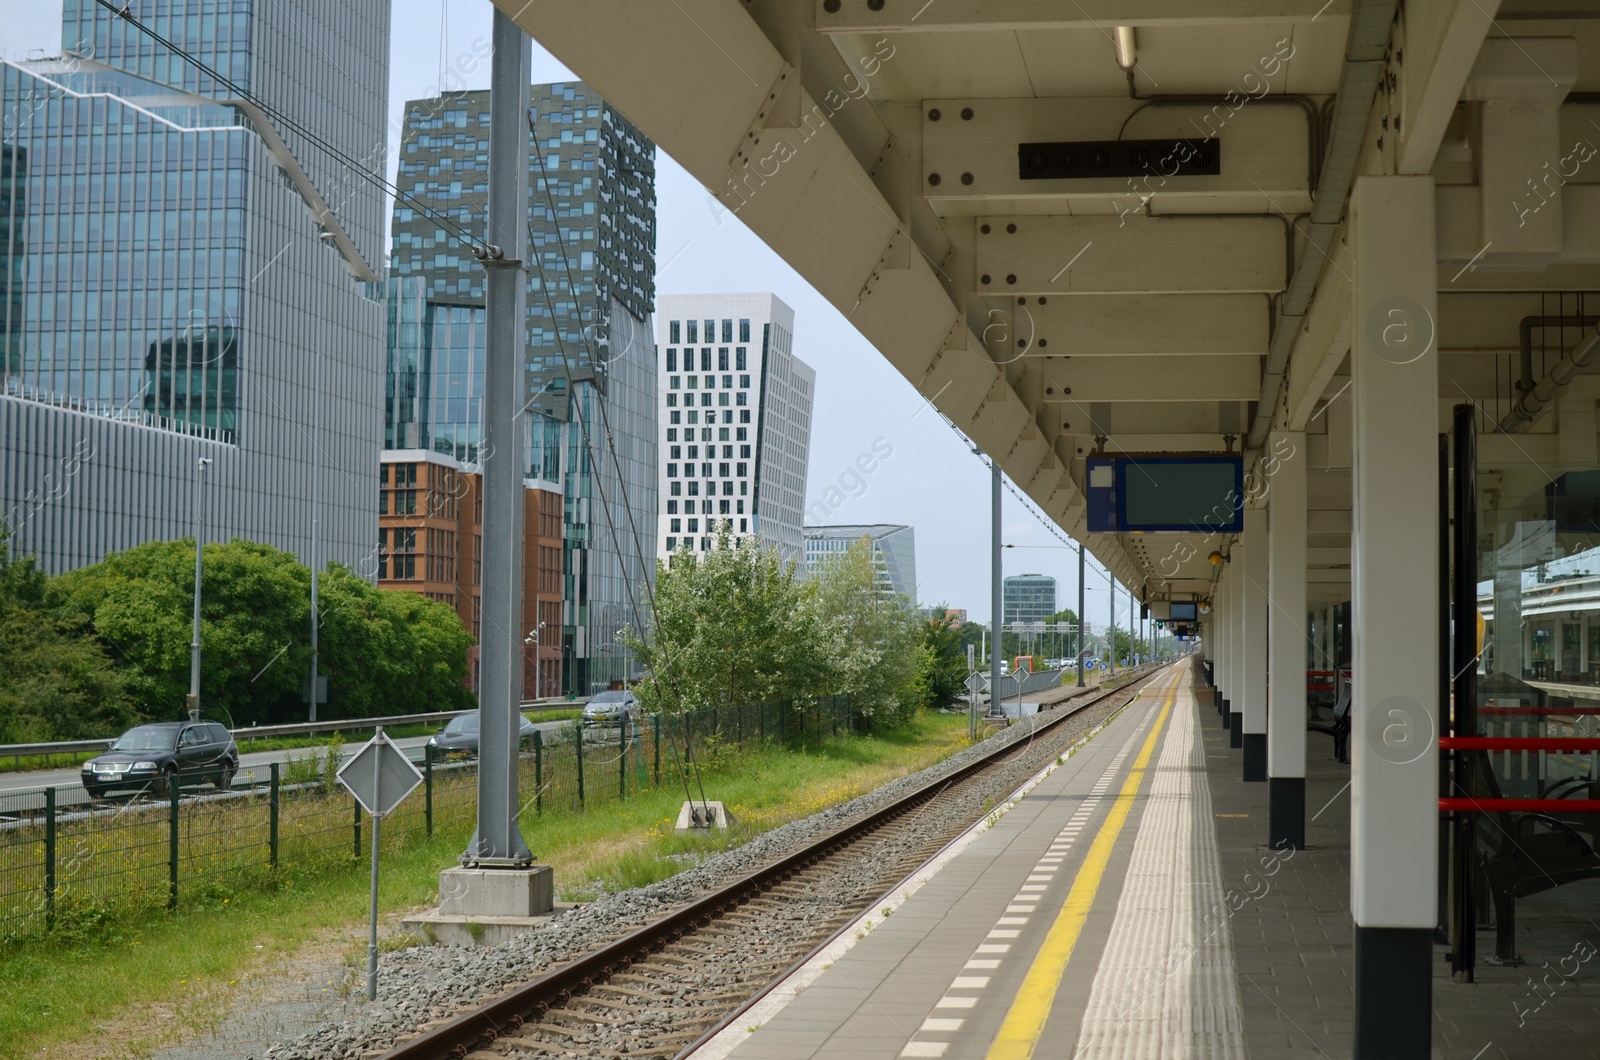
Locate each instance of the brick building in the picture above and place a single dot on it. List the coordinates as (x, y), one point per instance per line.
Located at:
(430, 537)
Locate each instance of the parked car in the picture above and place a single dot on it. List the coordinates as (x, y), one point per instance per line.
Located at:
(610, 708)
(459, 738)
(154, 757)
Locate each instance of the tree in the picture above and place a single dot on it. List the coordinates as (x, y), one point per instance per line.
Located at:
(942, 666)
(869, 638)
(386, 653)
(56, 683)
(727, 627)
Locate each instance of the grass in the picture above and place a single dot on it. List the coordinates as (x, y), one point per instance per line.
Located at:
(144, 981)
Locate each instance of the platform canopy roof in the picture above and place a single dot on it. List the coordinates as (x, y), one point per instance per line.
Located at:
(1197, 301)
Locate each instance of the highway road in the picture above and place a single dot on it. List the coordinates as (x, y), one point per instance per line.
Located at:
(253, 769)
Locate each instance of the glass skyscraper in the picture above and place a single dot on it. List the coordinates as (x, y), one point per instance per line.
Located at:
(591, 398)
(184, 274)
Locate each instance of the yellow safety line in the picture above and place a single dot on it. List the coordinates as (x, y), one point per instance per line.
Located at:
(1024, 1023)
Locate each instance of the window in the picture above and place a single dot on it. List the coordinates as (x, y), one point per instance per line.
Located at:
(723, 470)
(741, 507)
(724, 508)
(694, 526)
(672, 507)
(744, 380)
(672, 470)
(672, 434)
(741, 521)
(739, 360)
(741, 400)
(727, 489)
(672, 544)
(676, 416)
(672, 383)
(693, 336)
(694, 452)
(693, 382)
(727, 382)
(705, 357)
(744, 415)
(694, 417)
(744, 329)
(677, 526)
(672, 399)
(727, 415)
(744, 469)
(743, 433)
(722, 362)
(722, 398)
(705, 399)
(744, 487)
(711, 331)
(744, 451)
(672, 359)
(677, 489)
(672, 332)
(727, 331)
(694, 489)
(675, 453)
(722, 434)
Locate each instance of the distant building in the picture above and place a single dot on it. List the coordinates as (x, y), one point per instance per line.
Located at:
(735, 422)
(1028, 598)
(183, 278)
(956, 616)
(894, 550)
(430, 536)
(590, 402)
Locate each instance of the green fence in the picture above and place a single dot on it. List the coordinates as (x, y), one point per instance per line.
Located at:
(68, 864)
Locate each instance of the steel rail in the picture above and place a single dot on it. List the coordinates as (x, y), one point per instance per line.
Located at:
(506, 1014)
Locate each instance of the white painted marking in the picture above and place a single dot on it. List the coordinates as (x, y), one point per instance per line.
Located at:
(1167, 975)
(969, 982)
(924, 1049)
(935, 1023)
(1021, 908)
(1004, 933)
(1012, 920)
(999, 947)
(980, 965)
(956, 1002)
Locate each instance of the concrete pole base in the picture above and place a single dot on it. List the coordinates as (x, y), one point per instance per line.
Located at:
(1255, 756)
(1286, 813)
(1236, 730)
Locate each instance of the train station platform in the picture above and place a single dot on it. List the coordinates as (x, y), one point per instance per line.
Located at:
(1127, 906)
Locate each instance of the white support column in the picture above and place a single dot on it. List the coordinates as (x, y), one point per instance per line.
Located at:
(1286, 665)
(1220, 658)
(1393, 741)
(1253, 587)
(1236, 698)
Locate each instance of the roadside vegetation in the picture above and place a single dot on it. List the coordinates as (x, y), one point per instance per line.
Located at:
(86, 654)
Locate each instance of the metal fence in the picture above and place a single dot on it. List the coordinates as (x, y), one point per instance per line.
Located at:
(69, 865)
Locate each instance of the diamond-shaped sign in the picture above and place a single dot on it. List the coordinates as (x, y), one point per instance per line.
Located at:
(975, 682)
(380, 776)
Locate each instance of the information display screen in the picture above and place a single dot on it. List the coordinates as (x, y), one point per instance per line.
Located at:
(1184, 612)
(1192, 494)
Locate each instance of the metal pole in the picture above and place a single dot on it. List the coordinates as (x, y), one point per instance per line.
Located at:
(199, 545)
(1111, 625)
(372, 919)
(995, 601)
(498, 841)
(1081, 626)
(316, 550)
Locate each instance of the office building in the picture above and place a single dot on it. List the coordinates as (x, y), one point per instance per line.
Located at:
(894, 551)
(430, 536)
(591, 379)
(1028, 598)
(735, 422)
(185, 276)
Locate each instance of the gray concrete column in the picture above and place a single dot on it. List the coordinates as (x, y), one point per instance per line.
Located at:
(1287, 643)
(1393, 741)
(1253, 588)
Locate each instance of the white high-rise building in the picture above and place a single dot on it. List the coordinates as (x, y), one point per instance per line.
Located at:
(735, 422)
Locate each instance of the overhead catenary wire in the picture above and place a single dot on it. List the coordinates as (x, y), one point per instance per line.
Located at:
(457, 232)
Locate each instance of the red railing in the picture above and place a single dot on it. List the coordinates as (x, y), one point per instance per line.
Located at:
(1519, 743)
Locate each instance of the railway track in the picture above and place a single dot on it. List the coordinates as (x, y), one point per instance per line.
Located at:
(660, 989)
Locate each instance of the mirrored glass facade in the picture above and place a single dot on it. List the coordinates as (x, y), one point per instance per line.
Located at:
(591, 397)
(167, 290)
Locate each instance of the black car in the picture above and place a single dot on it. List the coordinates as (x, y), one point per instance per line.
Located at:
(459, 739)
(154, 757)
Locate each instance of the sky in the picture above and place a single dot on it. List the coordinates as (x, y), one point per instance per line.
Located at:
(932, 481)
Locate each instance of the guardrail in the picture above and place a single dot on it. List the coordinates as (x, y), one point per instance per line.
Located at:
(302, 728)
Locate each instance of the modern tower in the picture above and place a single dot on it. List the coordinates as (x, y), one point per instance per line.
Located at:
(735, 422)
(591, 377)
(189, 272)
(894, 552)
(1028, 598)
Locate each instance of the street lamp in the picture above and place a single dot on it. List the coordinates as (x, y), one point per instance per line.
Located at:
(194, 644)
